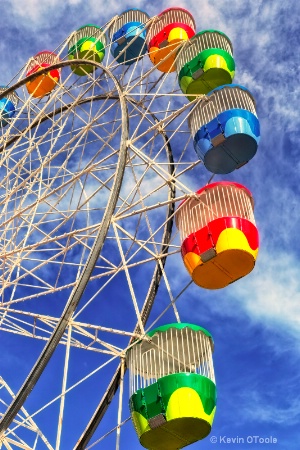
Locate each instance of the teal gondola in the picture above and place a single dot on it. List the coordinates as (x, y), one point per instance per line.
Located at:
(128, 36)
(225, 128)
(8, 105)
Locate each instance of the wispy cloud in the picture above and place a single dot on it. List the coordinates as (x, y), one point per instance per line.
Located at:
(272, 294)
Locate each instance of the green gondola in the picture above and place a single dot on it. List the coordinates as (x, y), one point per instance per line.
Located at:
(204, 63)
(173, 391)
(89, 43)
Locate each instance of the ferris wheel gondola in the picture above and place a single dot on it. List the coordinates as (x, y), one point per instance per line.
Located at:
(225, 128)
(173, 391)
(128, 36)
(8, 106)
(218, 232)
(204, 63)
(170, 28)
(44, 84)
(88, 42)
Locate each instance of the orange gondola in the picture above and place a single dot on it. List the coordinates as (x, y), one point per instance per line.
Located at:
(218, 232)
(43, 84)
(170, 28)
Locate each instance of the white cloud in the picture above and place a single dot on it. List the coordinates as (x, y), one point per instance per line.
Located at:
(271, 294)
(271, 410)
(35, 10)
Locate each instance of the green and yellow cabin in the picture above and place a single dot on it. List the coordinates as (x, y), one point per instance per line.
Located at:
(8, 105)
(172, 386)
(219, 238)
(167, 31)
(89, 43)
(42, 85)
(204, 63)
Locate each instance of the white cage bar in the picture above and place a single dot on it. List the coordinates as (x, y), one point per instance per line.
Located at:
(220, 100)
(167, 17)
(172, 351)
(86, 32)
(202, 41)
(44, 57)
(131, 15)
(221, 200)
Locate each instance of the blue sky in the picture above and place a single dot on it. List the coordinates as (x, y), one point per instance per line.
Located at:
(255, 321)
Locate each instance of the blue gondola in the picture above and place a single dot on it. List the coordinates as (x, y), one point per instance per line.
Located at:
(8, 105)
(225, 128)
(128, 34)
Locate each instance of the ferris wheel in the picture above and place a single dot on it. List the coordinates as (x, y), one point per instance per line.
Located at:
(96, 149)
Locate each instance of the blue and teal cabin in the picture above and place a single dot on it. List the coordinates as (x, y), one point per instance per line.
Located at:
(8, 106)
(172, 384)
(128, 36)
(225, 128)
(89, 43)
(204, 63)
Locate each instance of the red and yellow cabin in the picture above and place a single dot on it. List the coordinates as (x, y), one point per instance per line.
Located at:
(167, 31)
(218, 233)
(44, 84)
